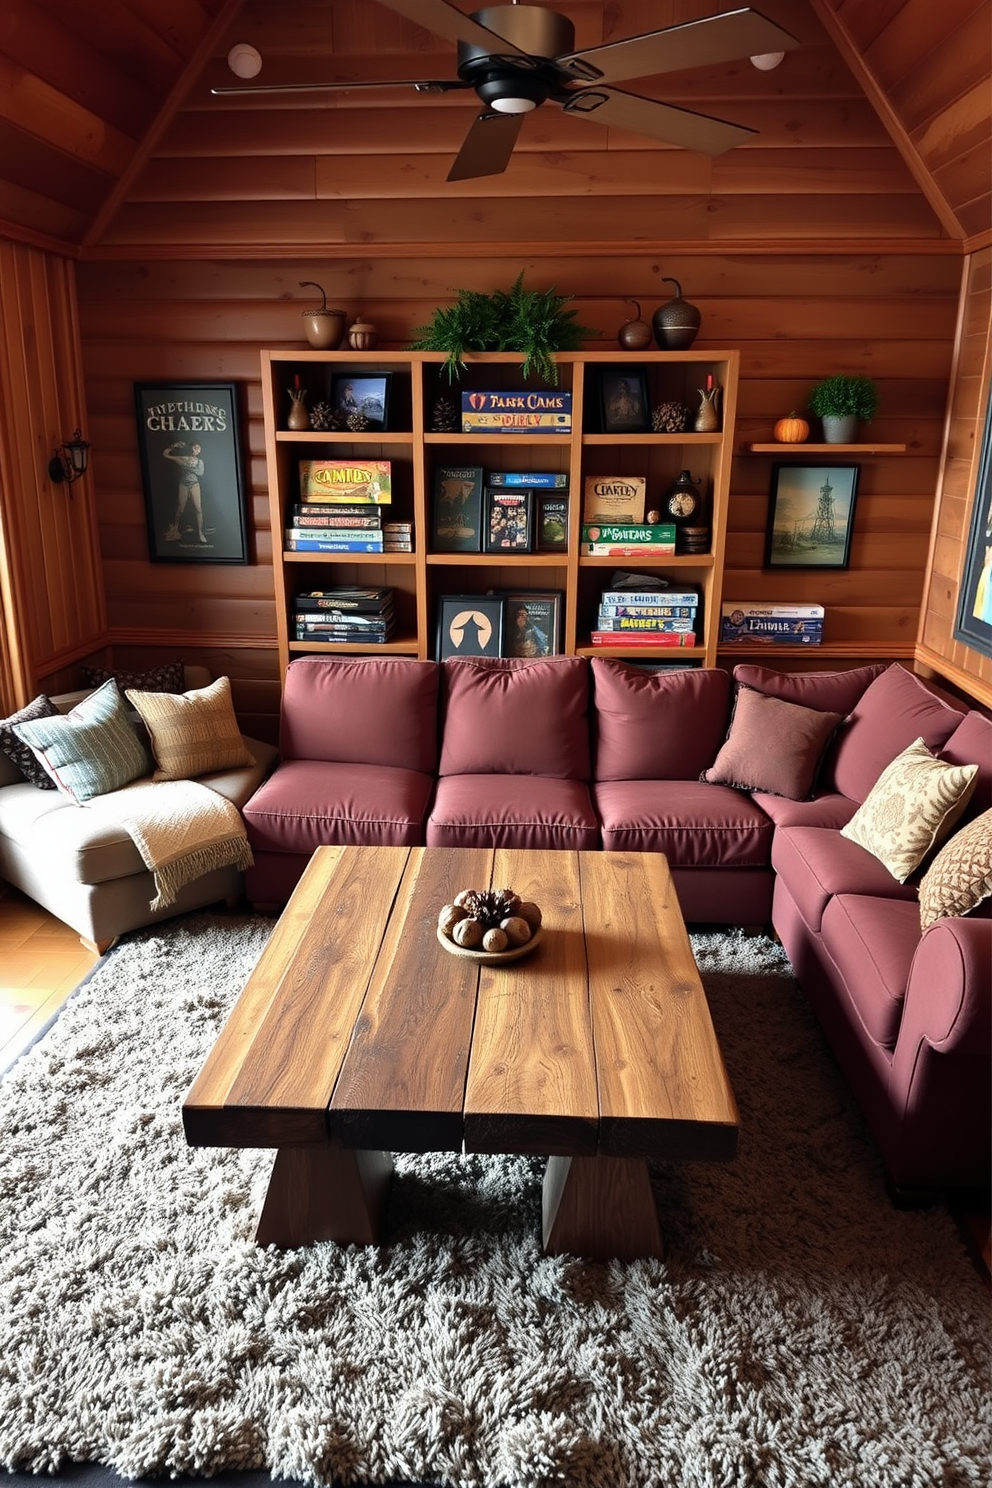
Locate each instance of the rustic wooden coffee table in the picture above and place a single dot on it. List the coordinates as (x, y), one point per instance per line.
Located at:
(357, 1034)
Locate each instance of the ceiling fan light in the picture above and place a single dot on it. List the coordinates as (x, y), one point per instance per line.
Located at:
(244, 61)
(767, 61)
(513, 105)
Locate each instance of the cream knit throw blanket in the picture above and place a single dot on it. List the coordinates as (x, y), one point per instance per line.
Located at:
(181, 829)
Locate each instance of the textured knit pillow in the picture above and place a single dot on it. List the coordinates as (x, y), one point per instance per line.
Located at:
(772, 746)
(91, 750)
(912, 806)
(22, 755)
(169, 677)
(192, 733)
(960, 876)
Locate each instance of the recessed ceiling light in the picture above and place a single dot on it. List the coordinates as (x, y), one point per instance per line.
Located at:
(244, 61)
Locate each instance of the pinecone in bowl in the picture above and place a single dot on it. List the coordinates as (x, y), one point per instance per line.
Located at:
(669, 418)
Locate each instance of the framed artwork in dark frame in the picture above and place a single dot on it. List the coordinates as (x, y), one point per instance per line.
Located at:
(811, 516)
(365, 393)
(623, 400)
(192, 471)
(469, 625)
(973, 623)
(532, 623)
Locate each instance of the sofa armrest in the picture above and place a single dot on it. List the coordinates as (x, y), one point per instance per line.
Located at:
(949, 994)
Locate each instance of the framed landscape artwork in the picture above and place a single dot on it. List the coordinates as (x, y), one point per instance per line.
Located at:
(811, 516)
(366, 394)
(191, 472)
(973, 624)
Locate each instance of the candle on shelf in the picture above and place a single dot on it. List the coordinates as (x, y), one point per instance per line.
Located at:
(296, 380)
(709, 381)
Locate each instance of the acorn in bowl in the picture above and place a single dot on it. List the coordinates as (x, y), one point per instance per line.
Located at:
(492, 921)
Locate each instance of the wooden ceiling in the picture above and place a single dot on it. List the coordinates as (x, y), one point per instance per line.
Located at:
(111, 145)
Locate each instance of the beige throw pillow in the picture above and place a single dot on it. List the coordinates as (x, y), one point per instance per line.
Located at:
(192, 732)
(912, 806)
(960, 876)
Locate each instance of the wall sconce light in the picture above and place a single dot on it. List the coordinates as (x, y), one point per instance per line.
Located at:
(69, 461)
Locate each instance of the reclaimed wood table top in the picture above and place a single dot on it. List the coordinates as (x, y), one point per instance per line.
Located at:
(357, 1028)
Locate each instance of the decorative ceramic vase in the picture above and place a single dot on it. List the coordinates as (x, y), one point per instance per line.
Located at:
(676, 323)
(323, 328)
(839, 428)
(707, 420)
(298, 416)
(363, 336)
(634, 335)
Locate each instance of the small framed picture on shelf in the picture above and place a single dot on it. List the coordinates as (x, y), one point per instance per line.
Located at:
(811, 516)
(532, 623)
(623, 400)
(362, 396)
(551, 522)
(508, 520)
(469, 625)
(456, 510)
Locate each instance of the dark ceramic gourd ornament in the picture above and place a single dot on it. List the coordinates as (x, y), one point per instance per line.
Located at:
(676, 322)
(634, 335)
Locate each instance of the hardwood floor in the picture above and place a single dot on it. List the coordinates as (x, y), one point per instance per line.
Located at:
(42, 961)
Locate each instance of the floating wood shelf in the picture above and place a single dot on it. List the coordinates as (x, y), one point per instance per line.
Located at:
(825, 449)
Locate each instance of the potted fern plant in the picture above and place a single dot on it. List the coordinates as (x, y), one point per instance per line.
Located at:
(842, 402)
(531, 321)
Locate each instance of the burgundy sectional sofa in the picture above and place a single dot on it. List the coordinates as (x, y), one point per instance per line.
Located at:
(565, 752)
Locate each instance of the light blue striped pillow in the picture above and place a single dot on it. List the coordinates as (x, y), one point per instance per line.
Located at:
(91, 750)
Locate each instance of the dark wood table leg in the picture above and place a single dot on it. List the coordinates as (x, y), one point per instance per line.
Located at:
(325, 1193)
(601, 1208)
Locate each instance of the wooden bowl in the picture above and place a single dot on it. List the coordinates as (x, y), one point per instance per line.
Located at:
(490, 958)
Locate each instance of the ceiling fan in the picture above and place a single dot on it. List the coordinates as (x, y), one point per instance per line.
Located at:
(517, 57)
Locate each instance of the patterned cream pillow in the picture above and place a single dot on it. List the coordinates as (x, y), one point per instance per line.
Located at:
(960, 876)
(912, 806)
(192, 732)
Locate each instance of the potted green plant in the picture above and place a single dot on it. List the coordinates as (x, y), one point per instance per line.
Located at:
(842, 402)
(531, 321)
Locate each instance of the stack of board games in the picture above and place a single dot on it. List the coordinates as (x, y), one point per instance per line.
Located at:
(640, 540)
(340, 507)
(517, 412)
(748, 624)
(344, 616)
(648, 617)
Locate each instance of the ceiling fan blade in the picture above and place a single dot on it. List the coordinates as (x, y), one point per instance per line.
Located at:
(487, 147)
(422, 85)
(444, 20)
(676, 126)
(719, 38)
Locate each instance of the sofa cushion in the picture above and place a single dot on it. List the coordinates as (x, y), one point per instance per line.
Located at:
(361, 710)
(828, 692)
(21, 754)
(91, 750)
(192, 732)
(814, 863)
(960, 876)
(911, 807)
(971, 744)
(308, 803)
(516, 717)
(894, 710)
(772, 746)
(531, 812)
(872, 943)
(657, 725)
(695, 825)
(831, 810)
(169, 677)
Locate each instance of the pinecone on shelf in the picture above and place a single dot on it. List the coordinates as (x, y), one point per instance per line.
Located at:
(322, 416)
(444, 417)
(358, 421)
(669, 418)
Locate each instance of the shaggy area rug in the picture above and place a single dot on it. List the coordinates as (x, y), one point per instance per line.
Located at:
(800, 1331)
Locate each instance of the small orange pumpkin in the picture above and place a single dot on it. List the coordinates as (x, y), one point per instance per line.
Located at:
(791, 430)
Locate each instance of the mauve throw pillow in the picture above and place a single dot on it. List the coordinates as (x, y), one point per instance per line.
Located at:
(829, 692)
(657, 725)
(509, 717)
(773, 746)
(363, 710)
(22, 755)
(893, 712)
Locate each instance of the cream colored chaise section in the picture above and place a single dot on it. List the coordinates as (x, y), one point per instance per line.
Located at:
(91, 876)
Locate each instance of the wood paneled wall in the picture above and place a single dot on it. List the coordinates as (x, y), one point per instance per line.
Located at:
(51, 582)
(794, 318)
(972, 388)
